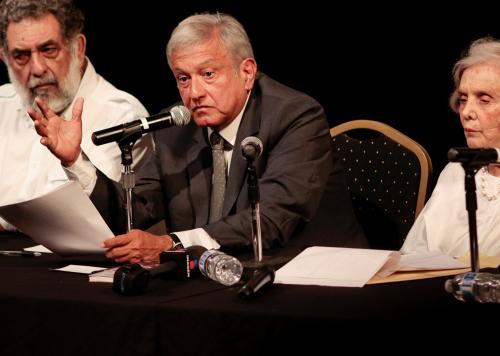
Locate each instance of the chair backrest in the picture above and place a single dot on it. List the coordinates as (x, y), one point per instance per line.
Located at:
(388, 176)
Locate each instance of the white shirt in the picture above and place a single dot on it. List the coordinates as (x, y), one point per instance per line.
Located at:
(443, 223)
(28, 169)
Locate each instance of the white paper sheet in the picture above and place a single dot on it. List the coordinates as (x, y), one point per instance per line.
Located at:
(80, 269)
(65, 221)
(38, 248)
(105, 276)
(335, 266)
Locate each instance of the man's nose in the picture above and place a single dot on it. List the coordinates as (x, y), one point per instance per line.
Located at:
(38, 64)
(197, 89)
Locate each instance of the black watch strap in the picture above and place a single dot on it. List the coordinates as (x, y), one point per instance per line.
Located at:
(177, 242)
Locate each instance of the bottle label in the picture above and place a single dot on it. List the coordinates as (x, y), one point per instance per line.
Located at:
(203, 260)
(467, 284)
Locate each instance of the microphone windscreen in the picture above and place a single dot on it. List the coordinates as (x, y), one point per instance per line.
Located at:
(180, 115)
(251, 147)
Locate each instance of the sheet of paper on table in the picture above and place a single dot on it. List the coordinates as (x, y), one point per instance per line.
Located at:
(351, 267)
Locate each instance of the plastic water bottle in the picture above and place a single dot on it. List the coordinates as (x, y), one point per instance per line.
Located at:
(220, 267)
(480, 287)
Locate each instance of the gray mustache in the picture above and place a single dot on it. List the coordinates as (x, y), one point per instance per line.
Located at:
(34, 82)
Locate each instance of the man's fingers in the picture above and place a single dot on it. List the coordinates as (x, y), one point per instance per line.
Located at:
(46, 142)
(117, 252)
(40, 124)
(40, 128)
(133, 246)
(46, 111)
(116, 241)
(35, 116)
(78, 109)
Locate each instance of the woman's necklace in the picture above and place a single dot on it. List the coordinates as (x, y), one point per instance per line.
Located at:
(484, 185)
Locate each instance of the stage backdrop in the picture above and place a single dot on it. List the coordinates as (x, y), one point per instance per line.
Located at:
(383, 62)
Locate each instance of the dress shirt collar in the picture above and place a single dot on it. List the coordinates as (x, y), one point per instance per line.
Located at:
(230, 131)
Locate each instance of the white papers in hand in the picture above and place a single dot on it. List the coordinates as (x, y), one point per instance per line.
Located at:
(336, 266)
(64, 220)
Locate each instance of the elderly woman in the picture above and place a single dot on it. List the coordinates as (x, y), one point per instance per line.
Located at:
(443, 225)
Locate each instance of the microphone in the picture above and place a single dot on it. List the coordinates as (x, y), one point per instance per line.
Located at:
(133, 279)
(474, 155)
(261, 277)
(251, 148)
(177, 116)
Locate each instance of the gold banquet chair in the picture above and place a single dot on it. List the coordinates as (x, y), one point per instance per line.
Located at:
(388, 176)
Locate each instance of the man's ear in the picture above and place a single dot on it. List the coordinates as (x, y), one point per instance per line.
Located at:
(2, 56)
(82, 46)
(248, 69)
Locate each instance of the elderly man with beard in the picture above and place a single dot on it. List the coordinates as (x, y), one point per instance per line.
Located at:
(43, 48)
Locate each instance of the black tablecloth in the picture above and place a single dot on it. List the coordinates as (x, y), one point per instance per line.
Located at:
(46, 312)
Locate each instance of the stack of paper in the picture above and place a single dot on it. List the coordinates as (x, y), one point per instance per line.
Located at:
(351, 267)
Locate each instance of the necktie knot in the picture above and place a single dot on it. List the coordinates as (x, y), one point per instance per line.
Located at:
(216, 140)
(219, 143)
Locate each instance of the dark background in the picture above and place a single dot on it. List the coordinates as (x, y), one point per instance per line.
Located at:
(385, 62)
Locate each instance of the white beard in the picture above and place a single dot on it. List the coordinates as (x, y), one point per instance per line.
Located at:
(67, 88)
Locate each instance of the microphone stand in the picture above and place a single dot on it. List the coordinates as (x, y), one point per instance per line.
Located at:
(471, 169)
(256, 273)
(126, 144)
(254, 198)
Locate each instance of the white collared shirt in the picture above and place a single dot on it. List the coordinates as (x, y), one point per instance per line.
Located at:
(229, 134)
(28, 169)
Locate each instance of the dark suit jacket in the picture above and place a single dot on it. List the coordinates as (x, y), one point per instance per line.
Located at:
(293, 171)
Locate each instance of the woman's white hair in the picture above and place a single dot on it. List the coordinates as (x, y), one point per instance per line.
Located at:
(486, 49)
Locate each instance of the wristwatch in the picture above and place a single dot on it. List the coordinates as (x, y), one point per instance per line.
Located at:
(177, 244)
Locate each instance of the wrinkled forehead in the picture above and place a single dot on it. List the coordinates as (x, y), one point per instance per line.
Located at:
(485, 75)
(32, 32)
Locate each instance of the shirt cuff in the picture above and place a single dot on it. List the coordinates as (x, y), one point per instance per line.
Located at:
(84, 172)
(197, 237)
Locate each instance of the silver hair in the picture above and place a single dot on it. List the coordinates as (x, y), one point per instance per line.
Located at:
(200, 27)
(70, 17)
(486, 49)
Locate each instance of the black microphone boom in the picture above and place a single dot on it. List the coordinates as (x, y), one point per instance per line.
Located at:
(133, 279)
(479, 156)
(177, 116)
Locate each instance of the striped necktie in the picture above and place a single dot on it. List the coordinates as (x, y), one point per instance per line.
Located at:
(219, 175)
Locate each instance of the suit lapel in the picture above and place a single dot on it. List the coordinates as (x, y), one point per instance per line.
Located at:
(249, 126)
(199, 158)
